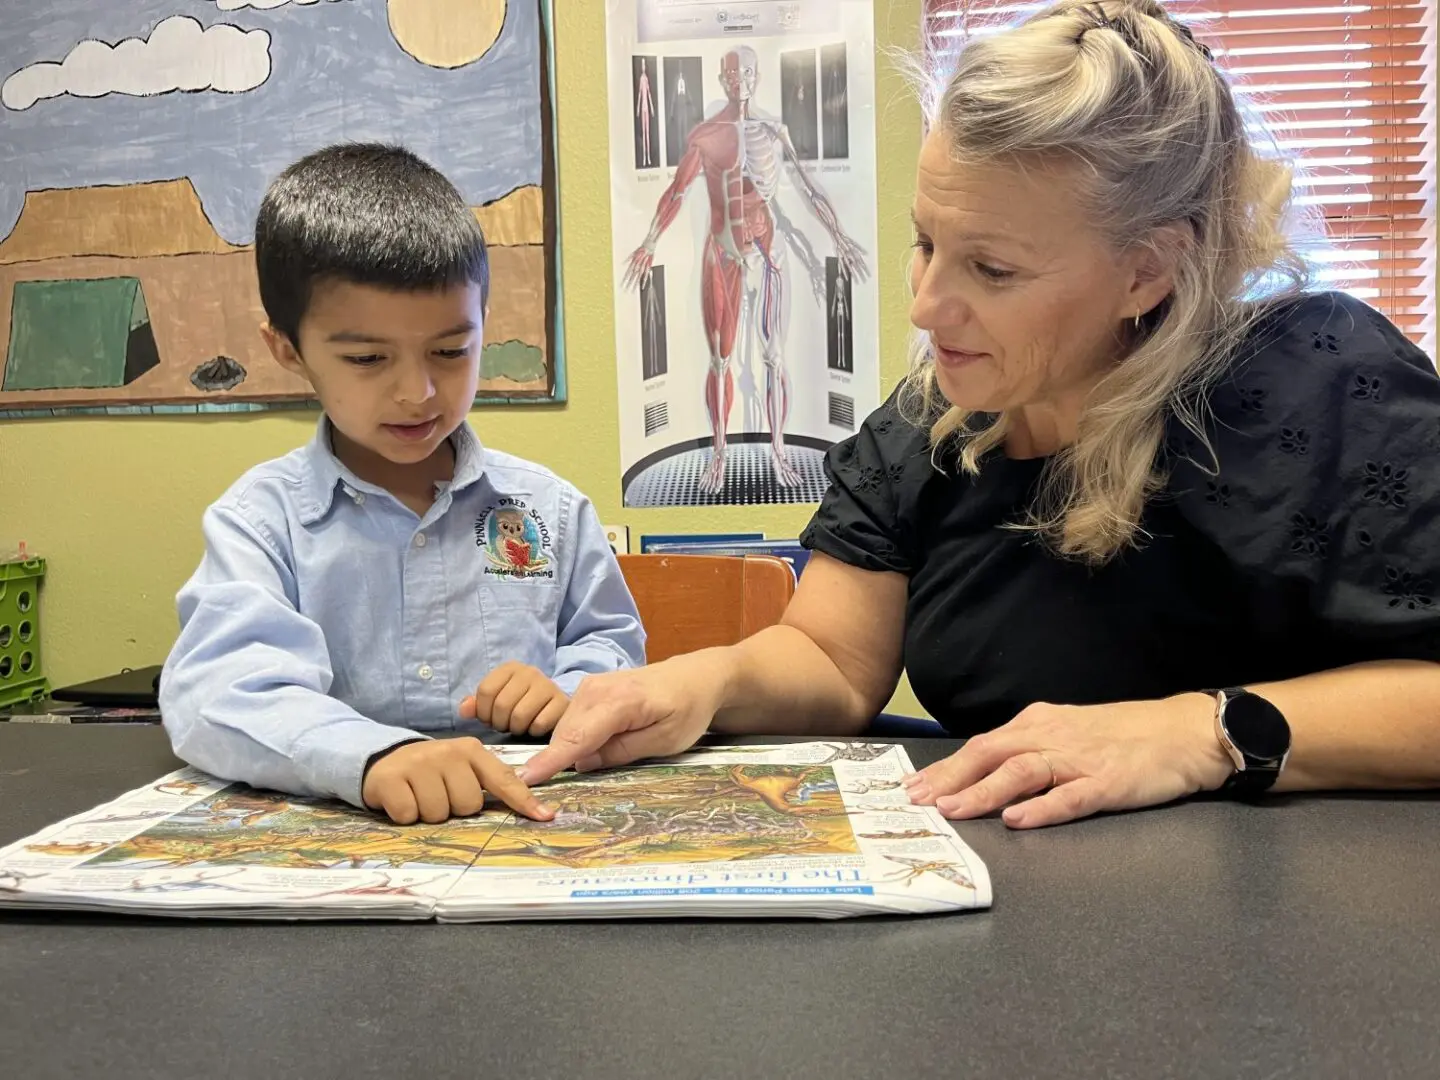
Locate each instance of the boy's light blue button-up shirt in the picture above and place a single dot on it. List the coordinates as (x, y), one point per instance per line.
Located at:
(327, 622)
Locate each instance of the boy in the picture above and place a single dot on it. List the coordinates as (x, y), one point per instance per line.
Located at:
(354, 591)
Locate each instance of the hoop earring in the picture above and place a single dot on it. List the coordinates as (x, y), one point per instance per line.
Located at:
(1137, 322)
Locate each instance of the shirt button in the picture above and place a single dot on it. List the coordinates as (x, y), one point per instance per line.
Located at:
(426, 672)
(420, 540)
(359, 497)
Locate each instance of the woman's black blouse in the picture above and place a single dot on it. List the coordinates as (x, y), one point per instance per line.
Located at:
(1315, 544)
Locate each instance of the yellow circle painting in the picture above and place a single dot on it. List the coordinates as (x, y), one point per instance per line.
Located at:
(446, 33)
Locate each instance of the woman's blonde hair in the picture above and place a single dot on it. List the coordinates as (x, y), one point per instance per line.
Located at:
(1127, 93)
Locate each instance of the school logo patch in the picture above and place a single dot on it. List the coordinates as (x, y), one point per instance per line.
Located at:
(515, 541)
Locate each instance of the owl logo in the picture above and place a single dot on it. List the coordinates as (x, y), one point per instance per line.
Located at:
(513, 543)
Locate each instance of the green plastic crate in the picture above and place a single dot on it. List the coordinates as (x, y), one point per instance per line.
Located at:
(20, 671)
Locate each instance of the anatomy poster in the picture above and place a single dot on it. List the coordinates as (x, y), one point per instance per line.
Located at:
(742, 157)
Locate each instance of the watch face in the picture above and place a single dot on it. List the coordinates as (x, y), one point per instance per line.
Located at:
(1256, 727)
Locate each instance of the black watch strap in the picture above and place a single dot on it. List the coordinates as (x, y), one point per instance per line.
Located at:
(1252, 781)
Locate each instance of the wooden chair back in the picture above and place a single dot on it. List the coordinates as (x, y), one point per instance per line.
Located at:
(690, 602)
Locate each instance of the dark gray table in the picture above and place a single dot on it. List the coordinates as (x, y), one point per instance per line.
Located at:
(1205, 940)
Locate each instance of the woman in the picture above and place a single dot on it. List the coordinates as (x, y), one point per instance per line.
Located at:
(1207, 526)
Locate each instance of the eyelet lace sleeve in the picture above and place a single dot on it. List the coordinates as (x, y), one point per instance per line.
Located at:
(1327, 441)
(866, 517)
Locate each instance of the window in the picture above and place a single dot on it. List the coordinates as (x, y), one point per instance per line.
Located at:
(1349, 89)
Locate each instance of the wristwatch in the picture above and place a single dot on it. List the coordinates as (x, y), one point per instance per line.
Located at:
(1256, 736)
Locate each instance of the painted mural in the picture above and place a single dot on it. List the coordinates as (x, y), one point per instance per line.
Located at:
(139, 136)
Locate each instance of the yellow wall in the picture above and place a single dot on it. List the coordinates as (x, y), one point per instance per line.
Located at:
(115, 503)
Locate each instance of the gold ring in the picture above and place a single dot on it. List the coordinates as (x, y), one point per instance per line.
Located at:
(1049, 765)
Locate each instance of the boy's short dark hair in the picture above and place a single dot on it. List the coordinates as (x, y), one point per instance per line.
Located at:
(363, 213)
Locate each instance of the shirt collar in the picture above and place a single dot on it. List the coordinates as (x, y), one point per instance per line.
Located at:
(326, 474)
(469, 457)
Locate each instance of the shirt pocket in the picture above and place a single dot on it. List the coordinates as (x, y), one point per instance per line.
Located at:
(521, 622)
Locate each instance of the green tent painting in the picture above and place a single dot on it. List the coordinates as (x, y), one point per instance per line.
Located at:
(73, 334)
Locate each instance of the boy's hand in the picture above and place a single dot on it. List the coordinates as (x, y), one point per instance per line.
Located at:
(435, 779)
(517, 698)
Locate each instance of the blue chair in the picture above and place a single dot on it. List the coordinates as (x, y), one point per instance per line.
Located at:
(894, 726)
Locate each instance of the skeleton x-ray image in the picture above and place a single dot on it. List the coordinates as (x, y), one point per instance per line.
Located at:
(684, 103)
(653, 354)
(835, 101)
(800, 102)
(839, 319)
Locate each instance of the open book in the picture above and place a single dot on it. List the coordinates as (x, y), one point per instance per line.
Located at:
(805, 829)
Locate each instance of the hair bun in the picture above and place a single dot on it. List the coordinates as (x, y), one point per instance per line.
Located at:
(1188, 35)
(1097, 19)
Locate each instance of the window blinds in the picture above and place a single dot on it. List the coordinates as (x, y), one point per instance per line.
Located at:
(1349, 90)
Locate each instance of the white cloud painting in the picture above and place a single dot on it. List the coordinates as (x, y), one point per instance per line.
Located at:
(179, 54)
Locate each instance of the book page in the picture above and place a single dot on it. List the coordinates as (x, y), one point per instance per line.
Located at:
(821, 829)
(192, 844)
(808, 828)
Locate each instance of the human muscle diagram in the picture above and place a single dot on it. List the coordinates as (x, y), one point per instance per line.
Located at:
(647, 133)
(769, 317)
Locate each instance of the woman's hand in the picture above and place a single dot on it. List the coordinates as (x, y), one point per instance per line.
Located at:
(1078, 760)
(623, 716)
